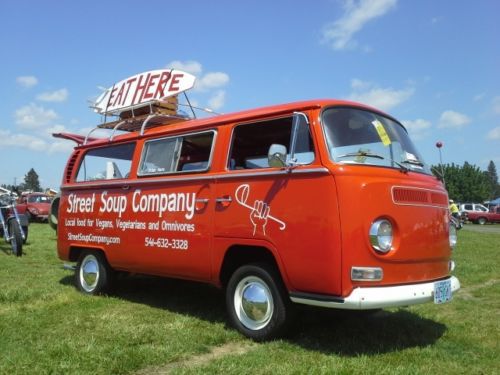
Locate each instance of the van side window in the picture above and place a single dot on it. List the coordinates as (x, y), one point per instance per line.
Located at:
(187, 153)
(106, 163)
(251, 142)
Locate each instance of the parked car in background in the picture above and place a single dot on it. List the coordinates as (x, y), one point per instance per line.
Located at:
(472, 207)
(35, 206)
(483, 217)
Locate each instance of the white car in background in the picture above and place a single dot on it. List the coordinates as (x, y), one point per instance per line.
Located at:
(472, 207)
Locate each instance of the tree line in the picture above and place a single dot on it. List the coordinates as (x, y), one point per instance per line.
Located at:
(468, 183)
(31, 182)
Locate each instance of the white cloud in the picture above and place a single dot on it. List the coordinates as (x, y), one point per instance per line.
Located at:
(494, 134)
(217, 100)
(33, 116)
(37, 124)
(453, 120)
(205, 84)
(193, 67)
(27, 81)
(496, 104)
(31, 142)
(61, 145)
(53, 129)
(39, 140)
(339, 34)
(418, 128)
(378, 97)
(54, 96)
(211, 81)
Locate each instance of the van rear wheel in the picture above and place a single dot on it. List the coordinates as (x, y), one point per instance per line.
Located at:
(93, 274)
(257, 303)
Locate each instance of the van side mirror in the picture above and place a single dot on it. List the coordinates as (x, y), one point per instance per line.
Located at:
(276, 157)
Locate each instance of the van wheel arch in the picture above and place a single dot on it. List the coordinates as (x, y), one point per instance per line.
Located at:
(239, 255)
(76, 251)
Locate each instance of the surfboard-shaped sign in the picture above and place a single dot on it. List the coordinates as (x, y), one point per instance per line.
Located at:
(142, 89)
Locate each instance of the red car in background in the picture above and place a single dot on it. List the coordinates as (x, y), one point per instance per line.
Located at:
(481, 217)
(35, 206)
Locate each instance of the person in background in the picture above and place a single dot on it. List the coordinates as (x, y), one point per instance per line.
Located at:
(454, 210)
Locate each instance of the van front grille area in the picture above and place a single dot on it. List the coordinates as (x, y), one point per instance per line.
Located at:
(424, 197)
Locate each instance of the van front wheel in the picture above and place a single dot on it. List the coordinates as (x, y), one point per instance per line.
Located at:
(257, 303)
(93, 274)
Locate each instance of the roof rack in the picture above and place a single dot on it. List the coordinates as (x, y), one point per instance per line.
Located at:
(140, 118)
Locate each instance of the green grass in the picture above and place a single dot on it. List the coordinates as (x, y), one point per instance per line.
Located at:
(152, 325)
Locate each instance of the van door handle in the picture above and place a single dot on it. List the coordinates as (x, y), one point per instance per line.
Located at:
(125, 187)
(224, 201)
(201, 203)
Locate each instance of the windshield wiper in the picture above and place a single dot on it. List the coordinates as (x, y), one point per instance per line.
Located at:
(361, 153)
(404, 168)
(413, 162)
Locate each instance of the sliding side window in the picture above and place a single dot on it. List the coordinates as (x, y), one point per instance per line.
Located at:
(251, 142)
(106, 163)
(187, 153)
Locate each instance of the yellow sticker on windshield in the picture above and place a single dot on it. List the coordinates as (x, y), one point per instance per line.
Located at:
(384, 137)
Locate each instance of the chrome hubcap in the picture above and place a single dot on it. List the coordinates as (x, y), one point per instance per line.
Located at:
(253, 303)
(89, 273)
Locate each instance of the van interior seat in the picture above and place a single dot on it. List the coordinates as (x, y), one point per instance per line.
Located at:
(259, 162)
(262, 162)
(199, 165)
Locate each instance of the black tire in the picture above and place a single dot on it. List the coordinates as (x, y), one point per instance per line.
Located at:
(93, 274)
(54, 212)
(16, 241)
(269, 313)
(482, 221)
(25, 230)
(29, 216)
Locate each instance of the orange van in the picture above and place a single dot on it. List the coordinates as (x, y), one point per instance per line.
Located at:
(321, 202)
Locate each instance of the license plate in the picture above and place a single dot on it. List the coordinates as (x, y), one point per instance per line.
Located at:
(442, 291)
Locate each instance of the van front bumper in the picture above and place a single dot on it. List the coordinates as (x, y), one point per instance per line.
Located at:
(367, 298)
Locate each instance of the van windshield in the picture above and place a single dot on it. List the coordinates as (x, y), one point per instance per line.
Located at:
(356, 136)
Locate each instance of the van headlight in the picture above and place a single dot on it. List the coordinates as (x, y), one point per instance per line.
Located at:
(381, 235)
(453, 235)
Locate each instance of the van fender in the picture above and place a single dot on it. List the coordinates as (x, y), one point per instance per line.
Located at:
(54, 212)
(224, 248)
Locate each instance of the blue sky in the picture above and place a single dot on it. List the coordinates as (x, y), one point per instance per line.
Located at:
(434, 65)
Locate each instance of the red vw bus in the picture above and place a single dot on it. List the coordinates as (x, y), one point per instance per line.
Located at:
(321, 202)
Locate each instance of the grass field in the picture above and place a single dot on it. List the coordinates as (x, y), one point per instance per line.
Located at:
(152, 325)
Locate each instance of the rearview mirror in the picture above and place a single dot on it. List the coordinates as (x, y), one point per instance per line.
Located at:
(276, 156)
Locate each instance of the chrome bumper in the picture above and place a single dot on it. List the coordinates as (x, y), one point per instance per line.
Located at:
(364, 298)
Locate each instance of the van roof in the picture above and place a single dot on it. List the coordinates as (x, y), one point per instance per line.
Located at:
(241, 116)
